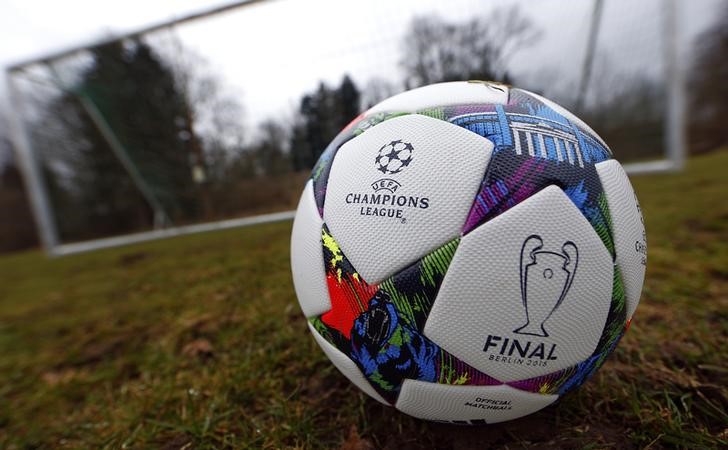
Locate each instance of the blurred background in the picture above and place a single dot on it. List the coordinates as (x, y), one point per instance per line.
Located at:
(218, 110)
(123, 122)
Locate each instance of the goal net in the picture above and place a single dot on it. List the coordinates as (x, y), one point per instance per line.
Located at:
(215, 119)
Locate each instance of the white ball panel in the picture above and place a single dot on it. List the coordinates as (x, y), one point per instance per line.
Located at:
(493, 404)
(630, 239)
(346, 366)
(307, 258)
(443, 94)
(480, 302)
(446, 168)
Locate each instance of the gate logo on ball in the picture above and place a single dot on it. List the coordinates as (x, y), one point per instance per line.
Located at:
(546, 277)
(391, 159)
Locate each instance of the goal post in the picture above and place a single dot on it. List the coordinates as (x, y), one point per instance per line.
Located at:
(384, 35)
(30, 168)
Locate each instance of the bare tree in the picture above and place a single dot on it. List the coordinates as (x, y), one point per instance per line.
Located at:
(213, 120)
(6, 149)
(436, 51)
(376, 90)
(709, 90)
(270, 149)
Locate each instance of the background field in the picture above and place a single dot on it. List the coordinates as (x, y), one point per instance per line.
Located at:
(198, 342)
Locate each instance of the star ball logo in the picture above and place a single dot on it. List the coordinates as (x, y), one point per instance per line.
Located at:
(391, 159)
(394, 157)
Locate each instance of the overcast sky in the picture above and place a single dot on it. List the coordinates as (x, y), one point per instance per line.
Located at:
(269, 53)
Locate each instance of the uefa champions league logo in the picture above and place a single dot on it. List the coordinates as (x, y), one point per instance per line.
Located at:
(386, 201)
(546, 277)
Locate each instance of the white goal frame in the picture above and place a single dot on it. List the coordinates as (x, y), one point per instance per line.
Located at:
(674, 136)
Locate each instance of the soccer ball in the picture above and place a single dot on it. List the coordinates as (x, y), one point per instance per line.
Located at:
(468, 252)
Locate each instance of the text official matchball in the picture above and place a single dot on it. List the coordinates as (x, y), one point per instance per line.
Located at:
(468, 252)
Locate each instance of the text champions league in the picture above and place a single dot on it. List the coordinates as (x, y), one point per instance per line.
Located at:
(386, 205)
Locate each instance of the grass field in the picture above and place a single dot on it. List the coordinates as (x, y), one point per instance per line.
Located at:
(198, 342)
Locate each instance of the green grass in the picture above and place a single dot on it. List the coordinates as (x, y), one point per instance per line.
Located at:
(198, 342)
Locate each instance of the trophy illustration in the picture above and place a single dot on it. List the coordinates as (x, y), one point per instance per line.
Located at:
(546, 277)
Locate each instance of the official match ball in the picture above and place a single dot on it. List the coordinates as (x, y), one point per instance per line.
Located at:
(468, 252)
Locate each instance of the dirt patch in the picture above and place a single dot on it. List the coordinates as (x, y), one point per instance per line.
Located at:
(201, 348)
(177, 442)
(130, 259)
(355, 442)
